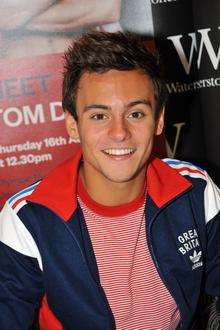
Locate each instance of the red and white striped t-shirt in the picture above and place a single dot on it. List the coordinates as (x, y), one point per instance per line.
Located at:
(138, 298)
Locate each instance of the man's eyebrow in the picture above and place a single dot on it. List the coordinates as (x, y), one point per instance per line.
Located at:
(106, 107)
(139, 101)
(96, 106)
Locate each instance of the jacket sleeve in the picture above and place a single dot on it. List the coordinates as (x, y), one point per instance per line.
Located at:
(212, 258)
(21, 283)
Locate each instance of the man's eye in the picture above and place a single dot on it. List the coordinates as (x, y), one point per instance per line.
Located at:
(136, 115)
(99, 116)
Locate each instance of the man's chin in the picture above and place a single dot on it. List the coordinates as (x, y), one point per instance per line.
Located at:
(120, 178)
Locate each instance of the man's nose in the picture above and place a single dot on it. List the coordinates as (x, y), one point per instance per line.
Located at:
(119, 130)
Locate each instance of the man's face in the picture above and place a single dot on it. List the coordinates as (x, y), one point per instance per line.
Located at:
(116, 124)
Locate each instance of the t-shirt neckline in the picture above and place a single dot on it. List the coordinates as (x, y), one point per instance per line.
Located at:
(109, 211)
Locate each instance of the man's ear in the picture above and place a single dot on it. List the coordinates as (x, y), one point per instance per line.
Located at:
(160, 122)
(71, 127)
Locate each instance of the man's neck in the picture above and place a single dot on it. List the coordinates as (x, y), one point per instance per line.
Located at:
(106, 192)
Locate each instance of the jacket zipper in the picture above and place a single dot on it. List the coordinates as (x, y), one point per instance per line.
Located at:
(92, 279)
(151, 249)
(160, 272)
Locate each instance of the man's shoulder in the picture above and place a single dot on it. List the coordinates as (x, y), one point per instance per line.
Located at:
(200, 179)
(187, 169)
(19, 199)
(205, 187)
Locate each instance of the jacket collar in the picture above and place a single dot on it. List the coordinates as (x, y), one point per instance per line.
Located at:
(164, 183)
(58, 190)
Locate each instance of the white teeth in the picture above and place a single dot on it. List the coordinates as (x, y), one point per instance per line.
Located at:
(119, 152)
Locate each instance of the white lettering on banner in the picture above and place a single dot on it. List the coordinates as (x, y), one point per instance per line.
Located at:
(49, 142)
(2, 163)
(14, 116)
(33, 117)
(27, 159)
(179, 87)
(55, 141)
(156, 2)
(14, 158)
(28, 145)
(54, 108)
(24, 115)
(204, 42)
(171, 152)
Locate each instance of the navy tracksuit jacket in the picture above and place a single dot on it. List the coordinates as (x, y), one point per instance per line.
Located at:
(47, 260)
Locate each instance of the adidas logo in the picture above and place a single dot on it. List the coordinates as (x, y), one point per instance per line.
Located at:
(196, 256)
(195, 259)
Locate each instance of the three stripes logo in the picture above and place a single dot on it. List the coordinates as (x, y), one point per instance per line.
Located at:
(195, 258)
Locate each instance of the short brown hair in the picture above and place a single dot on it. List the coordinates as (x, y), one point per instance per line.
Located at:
(103, 51)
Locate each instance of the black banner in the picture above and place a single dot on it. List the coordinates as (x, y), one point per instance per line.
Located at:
(187, 36)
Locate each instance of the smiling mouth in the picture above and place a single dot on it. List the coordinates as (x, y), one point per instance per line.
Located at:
(119, 152)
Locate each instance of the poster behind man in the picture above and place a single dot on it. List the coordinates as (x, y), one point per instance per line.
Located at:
(32, 135)
(33, 37)
(187, 36)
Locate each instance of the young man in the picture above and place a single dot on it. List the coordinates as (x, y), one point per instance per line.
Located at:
(113, 237)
